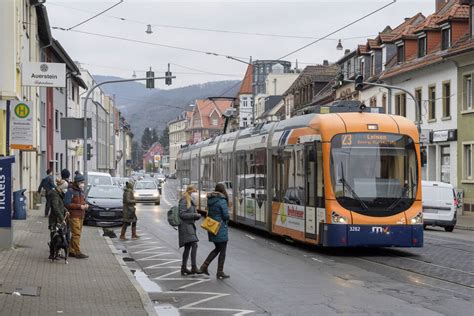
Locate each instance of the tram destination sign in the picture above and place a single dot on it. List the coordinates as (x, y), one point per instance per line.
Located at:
(368, 140)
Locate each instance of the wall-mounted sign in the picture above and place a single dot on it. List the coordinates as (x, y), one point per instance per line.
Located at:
(21, 126)
(444, 136)
(44, 74)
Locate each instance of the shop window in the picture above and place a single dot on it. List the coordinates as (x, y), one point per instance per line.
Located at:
(446, 99)
(432, 103)
(445, 164)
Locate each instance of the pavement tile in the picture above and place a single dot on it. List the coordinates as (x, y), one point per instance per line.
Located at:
(94, 286)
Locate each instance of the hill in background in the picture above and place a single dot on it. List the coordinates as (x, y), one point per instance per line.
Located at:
(154, 108)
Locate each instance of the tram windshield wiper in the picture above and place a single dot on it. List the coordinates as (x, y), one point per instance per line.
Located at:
(354, 194)
(407, 189)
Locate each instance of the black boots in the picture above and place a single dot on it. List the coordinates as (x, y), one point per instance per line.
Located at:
(221, 275)
(194, 270)
(203, 268)
(185, 271)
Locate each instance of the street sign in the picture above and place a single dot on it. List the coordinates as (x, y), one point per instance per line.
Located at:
(73, 128)
(425, 136)
(44, 74)
(21, 126)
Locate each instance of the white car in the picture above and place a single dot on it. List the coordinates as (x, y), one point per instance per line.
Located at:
(439, 205)
(99, 178)
(146, 191)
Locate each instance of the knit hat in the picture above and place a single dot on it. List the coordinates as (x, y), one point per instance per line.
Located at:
(65, 174)
(78, 178)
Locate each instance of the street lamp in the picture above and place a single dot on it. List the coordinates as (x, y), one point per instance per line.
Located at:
(148, 29)
(339, 45)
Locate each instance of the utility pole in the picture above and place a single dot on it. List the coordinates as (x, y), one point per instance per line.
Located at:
(89, 92)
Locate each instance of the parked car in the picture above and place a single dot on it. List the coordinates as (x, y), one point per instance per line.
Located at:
(439, 205)
(146, 191)
(99, 178)
(105, 206)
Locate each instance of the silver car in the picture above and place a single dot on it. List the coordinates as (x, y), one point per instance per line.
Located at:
(146, 191)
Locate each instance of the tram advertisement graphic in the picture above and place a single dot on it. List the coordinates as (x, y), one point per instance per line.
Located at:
(291, 216)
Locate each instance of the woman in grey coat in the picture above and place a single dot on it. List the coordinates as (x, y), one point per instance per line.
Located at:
(187, 231)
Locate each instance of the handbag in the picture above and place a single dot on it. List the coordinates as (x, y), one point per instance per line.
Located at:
(211, 225)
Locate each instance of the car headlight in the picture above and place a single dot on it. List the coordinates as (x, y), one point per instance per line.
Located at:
(418, 219)
(136, 195)
(155, 194)
(338, 219)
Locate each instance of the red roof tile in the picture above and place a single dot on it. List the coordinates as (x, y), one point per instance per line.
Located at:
(455, 12)
(430, 23)
(246, 86)
(207, 107)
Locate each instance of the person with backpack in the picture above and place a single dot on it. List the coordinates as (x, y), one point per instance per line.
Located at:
(218, 210)
(47, 184)
(129, 216)
(187, 230)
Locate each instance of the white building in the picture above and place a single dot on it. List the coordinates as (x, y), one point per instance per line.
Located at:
(178, 137)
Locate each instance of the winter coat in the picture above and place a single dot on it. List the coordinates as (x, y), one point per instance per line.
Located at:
(219, 211)
(47, 183)
(73, 201)
(129, 215)
(187, 229)
(58, 211)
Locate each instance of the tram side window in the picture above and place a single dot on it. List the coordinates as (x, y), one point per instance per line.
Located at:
(310, 175)
(260, 173)
(194, 171)
(320, 202)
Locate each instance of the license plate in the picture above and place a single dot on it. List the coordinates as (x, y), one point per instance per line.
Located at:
(107, 213)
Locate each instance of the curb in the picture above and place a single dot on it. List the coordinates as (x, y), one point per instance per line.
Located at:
(461, 227)
(146, 301)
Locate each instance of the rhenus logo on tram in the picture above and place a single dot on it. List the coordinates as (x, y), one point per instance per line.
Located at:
(342, 179)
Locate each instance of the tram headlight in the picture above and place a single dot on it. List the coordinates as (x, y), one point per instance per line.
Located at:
(338, 219)
(418, 219)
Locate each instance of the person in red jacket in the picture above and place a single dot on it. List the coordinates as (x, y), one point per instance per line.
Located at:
(75, 202)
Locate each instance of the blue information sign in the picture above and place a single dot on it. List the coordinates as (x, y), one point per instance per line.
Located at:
(6, 191)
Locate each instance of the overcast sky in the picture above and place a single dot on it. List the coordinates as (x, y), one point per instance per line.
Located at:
(310, 18)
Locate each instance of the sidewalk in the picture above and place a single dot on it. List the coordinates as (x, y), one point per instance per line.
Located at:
(465, 222)
(94, 286)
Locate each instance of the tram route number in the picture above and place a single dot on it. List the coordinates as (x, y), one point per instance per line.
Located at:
(354, 229)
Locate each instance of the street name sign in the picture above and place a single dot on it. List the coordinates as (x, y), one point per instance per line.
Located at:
(21, 126)
(44, 74)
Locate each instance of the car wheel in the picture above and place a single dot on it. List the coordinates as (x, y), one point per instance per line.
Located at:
(449, 228)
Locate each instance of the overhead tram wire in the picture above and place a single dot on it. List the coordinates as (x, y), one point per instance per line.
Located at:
(93, 17)
(191, 28)
(338, 30)
(143, 42)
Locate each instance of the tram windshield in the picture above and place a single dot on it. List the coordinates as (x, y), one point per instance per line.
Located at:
(374, 173)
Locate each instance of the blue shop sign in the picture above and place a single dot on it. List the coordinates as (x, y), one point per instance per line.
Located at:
(6, 191)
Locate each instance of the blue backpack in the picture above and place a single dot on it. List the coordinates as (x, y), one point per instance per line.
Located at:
(173, 216)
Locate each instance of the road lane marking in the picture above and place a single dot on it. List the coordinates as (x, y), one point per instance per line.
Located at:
(315, 259)
(251, 237)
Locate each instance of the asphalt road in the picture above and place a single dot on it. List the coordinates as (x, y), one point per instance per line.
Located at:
(274, 277)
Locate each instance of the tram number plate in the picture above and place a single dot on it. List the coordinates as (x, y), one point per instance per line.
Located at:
(354, 229)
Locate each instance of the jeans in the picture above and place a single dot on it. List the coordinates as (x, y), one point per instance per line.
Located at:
(220, 249)
(190, 246)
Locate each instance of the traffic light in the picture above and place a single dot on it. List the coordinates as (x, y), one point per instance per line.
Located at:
(150, 83)
(359, 82)
(89, 151)
(168, 81)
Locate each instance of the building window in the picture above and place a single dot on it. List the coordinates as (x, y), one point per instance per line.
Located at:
(401, 53)
(401, 104)
(73, 94)
(446, 38)
(214, 121)
(349, 72)
(446, 99)
(56, 120)
(373, 102)
(467, 93)
(362, 67)
(418, 93)
(422, 46)
(432, 103)
(372, 65)
(56, 164)
(472, 21)
(467, 159)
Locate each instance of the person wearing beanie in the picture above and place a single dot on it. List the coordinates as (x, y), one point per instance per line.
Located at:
(75, 202)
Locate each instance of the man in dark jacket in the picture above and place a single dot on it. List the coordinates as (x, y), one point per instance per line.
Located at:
(47, 184)
(58, 211)
(75, 202)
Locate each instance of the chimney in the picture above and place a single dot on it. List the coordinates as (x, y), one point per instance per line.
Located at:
(325, 62)
(347, 51)
(440, 4)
